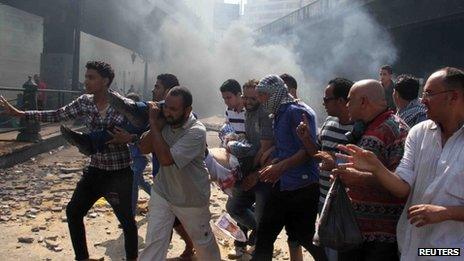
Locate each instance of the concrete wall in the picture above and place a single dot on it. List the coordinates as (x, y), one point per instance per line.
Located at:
(21, 43)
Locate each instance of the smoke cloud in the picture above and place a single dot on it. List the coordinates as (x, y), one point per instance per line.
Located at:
(349, 44)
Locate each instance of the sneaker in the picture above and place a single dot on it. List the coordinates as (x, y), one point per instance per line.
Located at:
(80, 140)
(129, 109)
(236, 253)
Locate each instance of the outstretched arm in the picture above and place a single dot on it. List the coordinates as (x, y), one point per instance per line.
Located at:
(366, 161)
(10, 109)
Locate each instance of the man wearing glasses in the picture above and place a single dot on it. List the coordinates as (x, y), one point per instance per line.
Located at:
(332, 134)
(431, 173)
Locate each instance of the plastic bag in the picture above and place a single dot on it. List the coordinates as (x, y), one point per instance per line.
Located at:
(337, 227)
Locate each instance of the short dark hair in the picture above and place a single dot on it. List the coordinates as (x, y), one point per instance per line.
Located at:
(184, 93)
(387, 68)
(168, 80)
(102, 68)
(407, 87)
(289, 80)
(232, 86)
(133, 96)
(341, 87)
(454, 78)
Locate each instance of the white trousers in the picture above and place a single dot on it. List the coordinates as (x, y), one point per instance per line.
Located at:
(195, 221)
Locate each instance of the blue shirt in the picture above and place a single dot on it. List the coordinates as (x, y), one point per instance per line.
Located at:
(287, 144)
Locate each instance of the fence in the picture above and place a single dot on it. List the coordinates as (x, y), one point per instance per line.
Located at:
(27, 100)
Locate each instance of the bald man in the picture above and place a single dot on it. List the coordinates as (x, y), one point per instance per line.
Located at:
(377, 211)
(431, 172)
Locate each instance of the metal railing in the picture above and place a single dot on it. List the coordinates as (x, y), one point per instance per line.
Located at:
(11, 124)
(312, 11)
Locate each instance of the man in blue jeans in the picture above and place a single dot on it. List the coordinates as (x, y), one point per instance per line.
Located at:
(248, 190)
(293, 172)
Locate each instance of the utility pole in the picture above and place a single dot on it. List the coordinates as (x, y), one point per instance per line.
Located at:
(77, 43)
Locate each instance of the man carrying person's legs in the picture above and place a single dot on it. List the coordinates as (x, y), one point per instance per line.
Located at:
(248, 190)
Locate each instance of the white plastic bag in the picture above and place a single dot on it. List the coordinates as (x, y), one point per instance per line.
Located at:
(228, 226)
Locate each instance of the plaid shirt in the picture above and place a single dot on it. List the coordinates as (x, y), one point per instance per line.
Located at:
(113, 157)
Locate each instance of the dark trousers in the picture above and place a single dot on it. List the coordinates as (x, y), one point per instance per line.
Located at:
(116, 188)
(296, 211)
(371, 251)
(240, 208)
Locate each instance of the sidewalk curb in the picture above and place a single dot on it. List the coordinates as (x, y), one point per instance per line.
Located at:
(23, 154)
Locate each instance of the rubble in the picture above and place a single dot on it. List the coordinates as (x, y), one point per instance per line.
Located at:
(33, 199)
(70, 170)
(26, 240)
(67, 176)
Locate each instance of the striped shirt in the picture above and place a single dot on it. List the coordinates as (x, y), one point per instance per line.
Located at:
(236, 119)
(114, 156)
(331, 134)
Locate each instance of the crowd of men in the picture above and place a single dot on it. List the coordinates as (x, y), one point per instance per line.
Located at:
(399, 155)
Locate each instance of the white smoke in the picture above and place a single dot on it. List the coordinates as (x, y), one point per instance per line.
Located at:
(352, 46)
(203, 67)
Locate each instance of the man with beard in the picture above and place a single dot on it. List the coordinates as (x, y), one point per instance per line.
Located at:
(181, 188)
(248, 189)
(294, 175)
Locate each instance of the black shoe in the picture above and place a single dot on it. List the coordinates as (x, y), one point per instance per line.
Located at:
(129, 109)
(80, 140)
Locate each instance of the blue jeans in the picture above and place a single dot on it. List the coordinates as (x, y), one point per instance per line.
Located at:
(240, 206)
(139, 162)
(99, 138)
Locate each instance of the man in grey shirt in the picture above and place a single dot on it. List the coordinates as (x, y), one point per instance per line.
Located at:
(258, 132)
(181, 188)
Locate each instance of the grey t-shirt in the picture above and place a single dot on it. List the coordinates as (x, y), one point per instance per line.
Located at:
(258, 126)
(185, 183)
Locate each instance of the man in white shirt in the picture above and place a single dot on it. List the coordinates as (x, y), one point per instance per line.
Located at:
(431, 173)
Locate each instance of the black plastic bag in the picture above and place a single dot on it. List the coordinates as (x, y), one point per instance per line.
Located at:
(337, 227)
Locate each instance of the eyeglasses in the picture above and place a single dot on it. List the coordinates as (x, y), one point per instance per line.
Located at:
(426, 95)
(327, 99)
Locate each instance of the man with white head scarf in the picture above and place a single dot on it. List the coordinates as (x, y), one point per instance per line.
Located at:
(294, 197)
